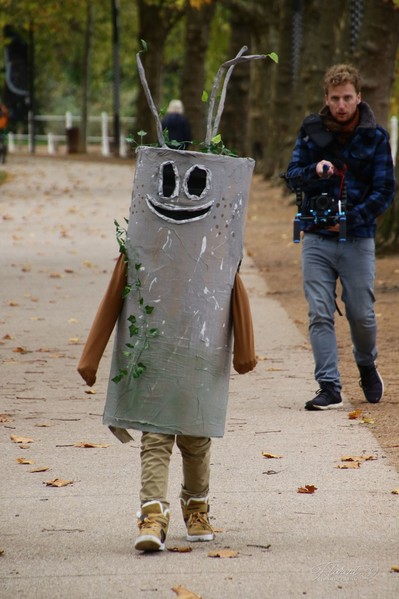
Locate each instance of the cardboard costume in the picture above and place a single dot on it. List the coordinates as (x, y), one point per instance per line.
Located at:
(178, 268)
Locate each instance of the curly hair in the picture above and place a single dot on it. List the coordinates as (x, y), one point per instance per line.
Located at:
(340, 74)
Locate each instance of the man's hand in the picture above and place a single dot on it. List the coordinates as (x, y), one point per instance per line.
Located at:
(325, 168)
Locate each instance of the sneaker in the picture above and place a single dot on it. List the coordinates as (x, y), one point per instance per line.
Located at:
(326, 399)
(371, 383)
(153, 523)
(195, 514)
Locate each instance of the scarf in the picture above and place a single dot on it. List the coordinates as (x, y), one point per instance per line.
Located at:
(342, 131)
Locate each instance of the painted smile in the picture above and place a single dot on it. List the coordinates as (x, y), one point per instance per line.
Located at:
(178, 214)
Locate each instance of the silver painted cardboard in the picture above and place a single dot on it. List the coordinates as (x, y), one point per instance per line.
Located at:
(184, 245)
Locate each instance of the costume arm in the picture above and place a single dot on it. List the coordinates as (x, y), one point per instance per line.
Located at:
(244, 357)
(103, 324)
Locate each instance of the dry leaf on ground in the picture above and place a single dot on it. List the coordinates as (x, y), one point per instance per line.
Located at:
(5, 418)
(185, 549)
(40, 469)
(25, 461)
(98, 445)
(184, 593)
(395, 492)
(394, 568)
(223, 553)
(307, 489)
(357, 458)
(348, 465)
(367, 420)
(58, 482)
(354, 414)
(16, 439)
(270, 456)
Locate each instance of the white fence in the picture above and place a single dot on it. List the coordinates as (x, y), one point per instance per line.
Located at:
(53, 138)
(58, 126)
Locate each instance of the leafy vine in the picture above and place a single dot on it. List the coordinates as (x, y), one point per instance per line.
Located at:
(139, 328)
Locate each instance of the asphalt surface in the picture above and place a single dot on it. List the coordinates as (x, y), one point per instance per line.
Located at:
(57, 251)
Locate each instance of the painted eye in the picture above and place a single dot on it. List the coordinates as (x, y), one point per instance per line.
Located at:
(197, 182)
(169, 180)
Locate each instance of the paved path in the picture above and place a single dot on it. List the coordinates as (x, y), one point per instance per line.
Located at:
(57, 247)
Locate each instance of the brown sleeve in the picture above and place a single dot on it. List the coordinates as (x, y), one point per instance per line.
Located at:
(103, 324)
(244, 357)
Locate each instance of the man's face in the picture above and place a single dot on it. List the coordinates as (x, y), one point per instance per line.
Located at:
(342, 100)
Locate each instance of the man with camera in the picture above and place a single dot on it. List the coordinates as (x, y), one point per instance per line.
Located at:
(343, 156)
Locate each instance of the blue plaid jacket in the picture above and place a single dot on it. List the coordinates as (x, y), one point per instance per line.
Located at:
(370, 180)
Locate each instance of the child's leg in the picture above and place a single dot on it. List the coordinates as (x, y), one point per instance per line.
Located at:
(196, 455)
(156, 450)
(195, 488)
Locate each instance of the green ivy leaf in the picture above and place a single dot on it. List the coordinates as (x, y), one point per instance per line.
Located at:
(205, 96)
(217, 139)
(126, 291)
(149, 309)
(154, 332)
(273, 56)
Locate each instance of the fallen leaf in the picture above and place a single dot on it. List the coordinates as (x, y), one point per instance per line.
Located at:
(367, 420)
(307, 489)
(74, 340)
(395, 492)
(43, 425)
(184, 593)
(1, 551)
(5, 418)
(7, 337)
(185, 549)
(55, 275)
(394, 568)
(357, 458)
(83, 444)
(13, 304)
(348, 465)
(20, 350)
(58, 482)
(40, 469)
(24, 446)
(355, 414)
(16, 439)
(271, 455)
(72, 320)
(90, 391)
(223, 553)
(25, 461)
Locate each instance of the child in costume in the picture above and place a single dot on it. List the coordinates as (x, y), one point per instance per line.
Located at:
(175, 293)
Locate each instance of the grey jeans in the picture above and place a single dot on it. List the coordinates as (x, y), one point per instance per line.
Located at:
(324, 261)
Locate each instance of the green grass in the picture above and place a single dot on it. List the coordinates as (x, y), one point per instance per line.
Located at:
(3, 177)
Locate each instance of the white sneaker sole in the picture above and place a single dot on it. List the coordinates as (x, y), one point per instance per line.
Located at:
(332, 406)
(149, 543)
(194, 538)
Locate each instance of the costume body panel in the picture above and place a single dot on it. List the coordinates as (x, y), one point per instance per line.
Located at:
(184, 245)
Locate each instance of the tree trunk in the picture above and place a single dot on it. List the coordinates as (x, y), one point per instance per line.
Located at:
(155, 22)
(278, 133)
(86, 76)
(234, 122)
(375, 54)
(198, 22)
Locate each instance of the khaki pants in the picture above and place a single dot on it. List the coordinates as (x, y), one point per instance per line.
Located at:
(156, 451)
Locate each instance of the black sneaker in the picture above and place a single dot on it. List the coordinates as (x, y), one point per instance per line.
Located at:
(371, 383)
(326, 399)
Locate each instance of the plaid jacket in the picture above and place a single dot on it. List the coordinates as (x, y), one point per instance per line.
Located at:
(369, 178)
